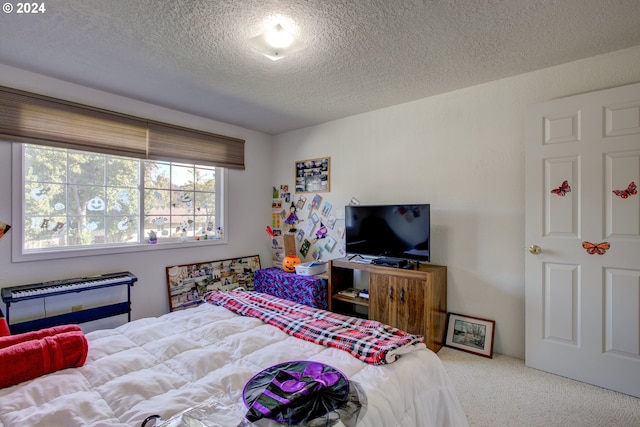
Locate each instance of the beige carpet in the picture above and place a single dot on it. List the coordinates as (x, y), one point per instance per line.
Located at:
(504, 392)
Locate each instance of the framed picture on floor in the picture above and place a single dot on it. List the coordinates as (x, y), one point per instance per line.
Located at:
(470, 334)
(189, 282)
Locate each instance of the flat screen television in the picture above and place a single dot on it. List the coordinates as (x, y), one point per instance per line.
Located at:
(397, 231)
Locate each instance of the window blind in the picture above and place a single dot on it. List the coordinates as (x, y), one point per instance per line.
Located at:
(33, 118)
(179, 144)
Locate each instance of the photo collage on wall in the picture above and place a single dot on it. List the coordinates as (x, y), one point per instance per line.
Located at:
(311, 220)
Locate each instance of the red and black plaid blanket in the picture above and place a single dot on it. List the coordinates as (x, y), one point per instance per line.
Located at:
(370, 341)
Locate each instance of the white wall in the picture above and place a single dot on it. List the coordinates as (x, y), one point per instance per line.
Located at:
(248, 209)
(463, 152)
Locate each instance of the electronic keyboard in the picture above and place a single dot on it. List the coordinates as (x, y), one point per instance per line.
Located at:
(57, 287)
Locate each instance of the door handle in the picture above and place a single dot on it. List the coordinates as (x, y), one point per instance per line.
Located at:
(535, 249)
(402, 296)
(391, 293)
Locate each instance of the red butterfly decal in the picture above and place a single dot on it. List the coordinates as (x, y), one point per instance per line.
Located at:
(630, 191)
(563, 189)
(596, 248)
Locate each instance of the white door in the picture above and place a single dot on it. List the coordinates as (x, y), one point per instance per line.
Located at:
(583, 304)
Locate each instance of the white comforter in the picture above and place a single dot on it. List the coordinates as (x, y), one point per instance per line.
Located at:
(168, 364)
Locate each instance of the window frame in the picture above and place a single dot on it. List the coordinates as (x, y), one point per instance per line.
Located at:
(18, 201)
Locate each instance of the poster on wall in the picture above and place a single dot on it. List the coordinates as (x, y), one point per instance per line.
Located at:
(277, 247)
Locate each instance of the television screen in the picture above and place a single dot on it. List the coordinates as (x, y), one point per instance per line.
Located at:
(399, 231)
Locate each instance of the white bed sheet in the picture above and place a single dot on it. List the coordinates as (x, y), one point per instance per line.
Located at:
(169, 364)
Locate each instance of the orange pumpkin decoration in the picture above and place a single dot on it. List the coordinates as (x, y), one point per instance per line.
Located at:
(289, 263)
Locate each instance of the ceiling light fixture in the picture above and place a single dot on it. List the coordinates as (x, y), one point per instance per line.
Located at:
(276, 43)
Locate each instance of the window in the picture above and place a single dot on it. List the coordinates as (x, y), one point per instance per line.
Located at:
(83, 200)
(179, 200)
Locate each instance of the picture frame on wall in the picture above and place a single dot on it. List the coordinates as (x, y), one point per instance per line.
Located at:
(470, 334)
(313, 175)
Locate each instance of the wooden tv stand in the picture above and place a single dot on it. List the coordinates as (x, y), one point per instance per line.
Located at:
(411, 299)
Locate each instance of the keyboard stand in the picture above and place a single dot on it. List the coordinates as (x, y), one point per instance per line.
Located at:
(74, 317)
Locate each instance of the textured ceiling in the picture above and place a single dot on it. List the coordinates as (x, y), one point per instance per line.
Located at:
(360, 55)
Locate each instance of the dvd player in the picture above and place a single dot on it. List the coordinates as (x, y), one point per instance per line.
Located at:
(390, 262)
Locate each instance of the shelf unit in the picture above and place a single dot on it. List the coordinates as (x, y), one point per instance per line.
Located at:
(412, 299)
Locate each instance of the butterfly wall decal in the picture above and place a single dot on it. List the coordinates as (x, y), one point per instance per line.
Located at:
(629, 191)
(596, 248)
(563, 189)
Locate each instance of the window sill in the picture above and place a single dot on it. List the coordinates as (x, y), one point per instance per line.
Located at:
(111, 250)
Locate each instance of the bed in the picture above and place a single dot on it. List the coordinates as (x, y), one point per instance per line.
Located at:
(202, 357)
